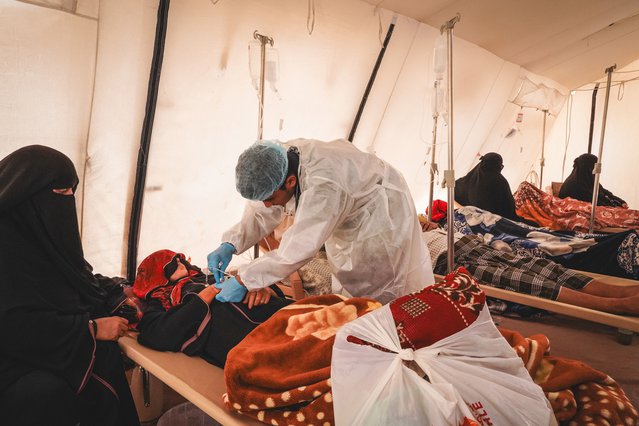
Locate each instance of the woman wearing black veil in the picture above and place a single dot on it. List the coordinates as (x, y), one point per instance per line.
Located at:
(581, 181)
(485, 187)
(59, 362)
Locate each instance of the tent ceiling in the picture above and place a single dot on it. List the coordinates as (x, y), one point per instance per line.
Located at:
(569, 41)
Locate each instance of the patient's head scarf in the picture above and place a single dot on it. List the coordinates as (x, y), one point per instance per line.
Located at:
(153, 279)
(486, 188)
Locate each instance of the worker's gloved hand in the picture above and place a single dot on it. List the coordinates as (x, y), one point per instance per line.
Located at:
(232, 291)
(219, 259)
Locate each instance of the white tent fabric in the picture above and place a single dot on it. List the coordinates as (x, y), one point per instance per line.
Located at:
(78, 83)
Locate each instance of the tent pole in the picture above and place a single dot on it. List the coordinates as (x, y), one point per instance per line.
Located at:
(597, 169)
(542, 160)
(145, 139)
(449, 175)
(593, 108)
(371, 80)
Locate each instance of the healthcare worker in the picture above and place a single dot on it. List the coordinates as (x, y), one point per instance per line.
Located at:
(354, 203)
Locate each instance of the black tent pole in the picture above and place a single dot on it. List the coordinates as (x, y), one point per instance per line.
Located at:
(371, 80)
(145, 138)
(593, 107)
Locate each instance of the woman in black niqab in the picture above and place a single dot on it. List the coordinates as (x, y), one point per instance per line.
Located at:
(485, 187)
(581, 182)
(53, 368)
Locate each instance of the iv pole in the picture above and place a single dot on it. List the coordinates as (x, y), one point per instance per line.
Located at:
(542, 160)
(264, 40)
(449, 175)
(597, 169)
(260, 95)
(433, 164)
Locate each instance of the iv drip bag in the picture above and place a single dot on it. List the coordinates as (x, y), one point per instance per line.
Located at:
(255, 62)
(271, 64)
(440, 57)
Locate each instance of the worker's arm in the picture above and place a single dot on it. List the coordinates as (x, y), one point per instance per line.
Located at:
(257, 222)
(320, 210)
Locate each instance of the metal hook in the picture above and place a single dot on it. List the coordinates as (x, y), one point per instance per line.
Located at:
(450, 24)
(262, 38)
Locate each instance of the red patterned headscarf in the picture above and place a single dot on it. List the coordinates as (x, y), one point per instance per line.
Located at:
(153, 278)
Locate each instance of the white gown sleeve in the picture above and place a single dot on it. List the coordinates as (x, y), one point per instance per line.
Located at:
(320, 210)
(257, 222)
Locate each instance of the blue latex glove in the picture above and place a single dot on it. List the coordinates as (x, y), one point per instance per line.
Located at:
(219, 259)
(232, 291)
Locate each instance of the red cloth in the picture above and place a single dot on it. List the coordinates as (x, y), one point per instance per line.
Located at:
(440, 207)
(151, 280)
(437, 311)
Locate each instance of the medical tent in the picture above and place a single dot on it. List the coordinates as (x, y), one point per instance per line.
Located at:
(78, 75)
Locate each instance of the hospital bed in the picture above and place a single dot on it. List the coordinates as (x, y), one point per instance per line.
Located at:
(195, 379)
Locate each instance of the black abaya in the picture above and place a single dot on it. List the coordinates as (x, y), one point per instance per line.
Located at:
(48, 293)
(486, 188)
(581, 182)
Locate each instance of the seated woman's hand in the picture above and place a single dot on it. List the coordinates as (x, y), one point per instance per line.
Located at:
(258, 297)
(111, 328)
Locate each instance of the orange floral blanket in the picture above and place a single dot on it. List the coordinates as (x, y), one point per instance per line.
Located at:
(567, 213)
(578, 394)
(280, 373)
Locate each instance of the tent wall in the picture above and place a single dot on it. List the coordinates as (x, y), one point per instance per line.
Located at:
(207, 107)
(619, 160)
(125, 48)
(47, 66)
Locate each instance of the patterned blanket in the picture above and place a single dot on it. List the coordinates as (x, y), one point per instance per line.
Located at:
(280, 373)
(567, 213)
(610, 254)
(579, 394)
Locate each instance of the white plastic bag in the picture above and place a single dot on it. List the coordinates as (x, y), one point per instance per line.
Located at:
(472, 374)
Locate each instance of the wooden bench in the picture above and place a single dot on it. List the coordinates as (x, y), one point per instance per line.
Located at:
(195, 379)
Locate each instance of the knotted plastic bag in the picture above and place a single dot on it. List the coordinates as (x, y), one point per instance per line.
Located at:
(421, 361)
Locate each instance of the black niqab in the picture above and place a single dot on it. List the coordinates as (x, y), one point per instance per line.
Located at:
(581, 181)
(486, 188)
(47, 289)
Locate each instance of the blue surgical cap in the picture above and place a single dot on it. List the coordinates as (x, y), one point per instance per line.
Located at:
(261, 170)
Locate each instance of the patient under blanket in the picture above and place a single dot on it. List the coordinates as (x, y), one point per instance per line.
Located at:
(281, 372)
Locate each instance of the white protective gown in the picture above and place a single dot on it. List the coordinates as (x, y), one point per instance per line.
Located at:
(356, 204)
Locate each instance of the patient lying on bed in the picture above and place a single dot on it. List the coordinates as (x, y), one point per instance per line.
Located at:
(529, 275)
(569, 214)
(609, 254)
(180, 313)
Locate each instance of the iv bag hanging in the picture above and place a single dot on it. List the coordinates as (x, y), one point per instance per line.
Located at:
(271, 67)
(271, 64)
(440, 55)
(440, 60)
